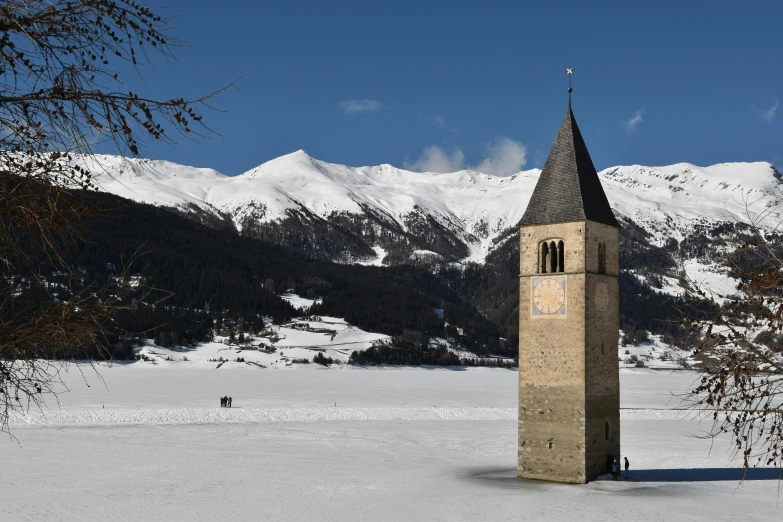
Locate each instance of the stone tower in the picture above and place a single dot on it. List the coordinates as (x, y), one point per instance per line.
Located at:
(569, 385)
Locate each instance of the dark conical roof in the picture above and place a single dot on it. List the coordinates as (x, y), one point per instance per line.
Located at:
(568, 188)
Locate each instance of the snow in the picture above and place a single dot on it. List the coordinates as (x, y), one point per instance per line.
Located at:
(380, 255)
(301, 338)
(669, 201)
(402, 444)
(301, 303)
(155, 182)
(654, 353)
(424, 253)
(711, 278)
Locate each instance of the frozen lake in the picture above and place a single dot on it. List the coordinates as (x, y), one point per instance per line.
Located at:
(400, 444)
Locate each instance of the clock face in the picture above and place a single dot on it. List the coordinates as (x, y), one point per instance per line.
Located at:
(601, 296)
(549, 296)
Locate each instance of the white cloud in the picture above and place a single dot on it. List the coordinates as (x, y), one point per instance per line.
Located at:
(357, 106)
(503, 157)
(631, 123)
(769, 114)
(434, 159)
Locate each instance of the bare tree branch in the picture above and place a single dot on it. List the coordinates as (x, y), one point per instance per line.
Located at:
(741, 388)
(60, 88)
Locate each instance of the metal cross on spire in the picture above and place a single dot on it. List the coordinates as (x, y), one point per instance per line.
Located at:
(569, 72)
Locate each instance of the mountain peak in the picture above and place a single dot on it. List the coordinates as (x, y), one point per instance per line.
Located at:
(297, 154)
(285, 163)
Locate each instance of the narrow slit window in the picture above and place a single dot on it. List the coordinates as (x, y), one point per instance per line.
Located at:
(553, 256)
(561, 256)
(544, 255)
(601, 258)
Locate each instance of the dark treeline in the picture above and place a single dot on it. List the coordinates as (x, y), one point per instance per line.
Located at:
(193, 281)
(408, 349)
(483, 362)
(383, 307)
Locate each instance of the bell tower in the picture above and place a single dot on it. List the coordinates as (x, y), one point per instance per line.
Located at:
(569, 385)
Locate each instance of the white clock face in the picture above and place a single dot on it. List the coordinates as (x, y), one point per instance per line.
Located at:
(549, 296)
(601, 296)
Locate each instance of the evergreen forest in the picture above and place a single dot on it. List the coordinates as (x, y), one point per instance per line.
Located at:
(193, 280)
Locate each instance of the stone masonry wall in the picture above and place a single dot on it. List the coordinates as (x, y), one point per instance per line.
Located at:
(602, 374)
(551, 365)
(568, 371)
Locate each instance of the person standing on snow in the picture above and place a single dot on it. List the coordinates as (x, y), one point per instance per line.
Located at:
(627, 465)
(615, 469)
(229, 402)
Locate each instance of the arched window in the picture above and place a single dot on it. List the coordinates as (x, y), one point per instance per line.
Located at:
(607, 430)
(552, 258)
(561, 256)
(601, 258)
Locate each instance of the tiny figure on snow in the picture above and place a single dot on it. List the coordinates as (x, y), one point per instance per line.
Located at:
(615, 469)
(229, 402)
(224, 402)
(627, 465)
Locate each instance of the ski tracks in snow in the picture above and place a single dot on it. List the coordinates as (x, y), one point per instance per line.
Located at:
(162, 416)
(135, 416)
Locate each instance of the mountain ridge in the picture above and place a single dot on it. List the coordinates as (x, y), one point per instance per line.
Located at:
(349, 213)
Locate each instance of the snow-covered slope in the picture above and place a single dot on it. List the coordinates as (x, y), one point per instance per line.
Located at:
(670, 201)
(159, 183)
(471, 208)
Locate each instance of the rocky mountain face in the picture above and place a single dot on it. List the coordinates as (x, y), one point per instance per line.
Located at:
(462, 225)
(385, 215)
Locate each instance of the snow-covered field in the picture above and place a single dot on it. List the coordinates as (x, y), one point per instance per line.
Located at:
(279, 347)
(355, 444)
(653, 353)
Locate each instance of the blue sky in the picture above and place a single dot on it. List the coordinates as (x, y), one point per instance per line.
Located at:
(434, 84)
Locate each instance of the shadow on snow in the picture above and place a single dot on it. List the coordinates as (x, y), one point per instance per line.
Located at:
(703, 474)
(507, 477)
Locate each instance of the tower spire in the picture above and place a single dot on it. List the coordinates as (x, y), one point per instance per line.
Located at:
(569, 72)
(568, 188)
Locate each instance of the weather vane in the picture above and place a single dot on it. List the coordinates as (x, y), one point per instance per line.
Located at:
(569, 72)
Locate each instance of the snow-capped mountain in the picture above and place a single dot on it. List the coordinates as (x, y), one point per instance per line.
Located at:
(382, 213)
